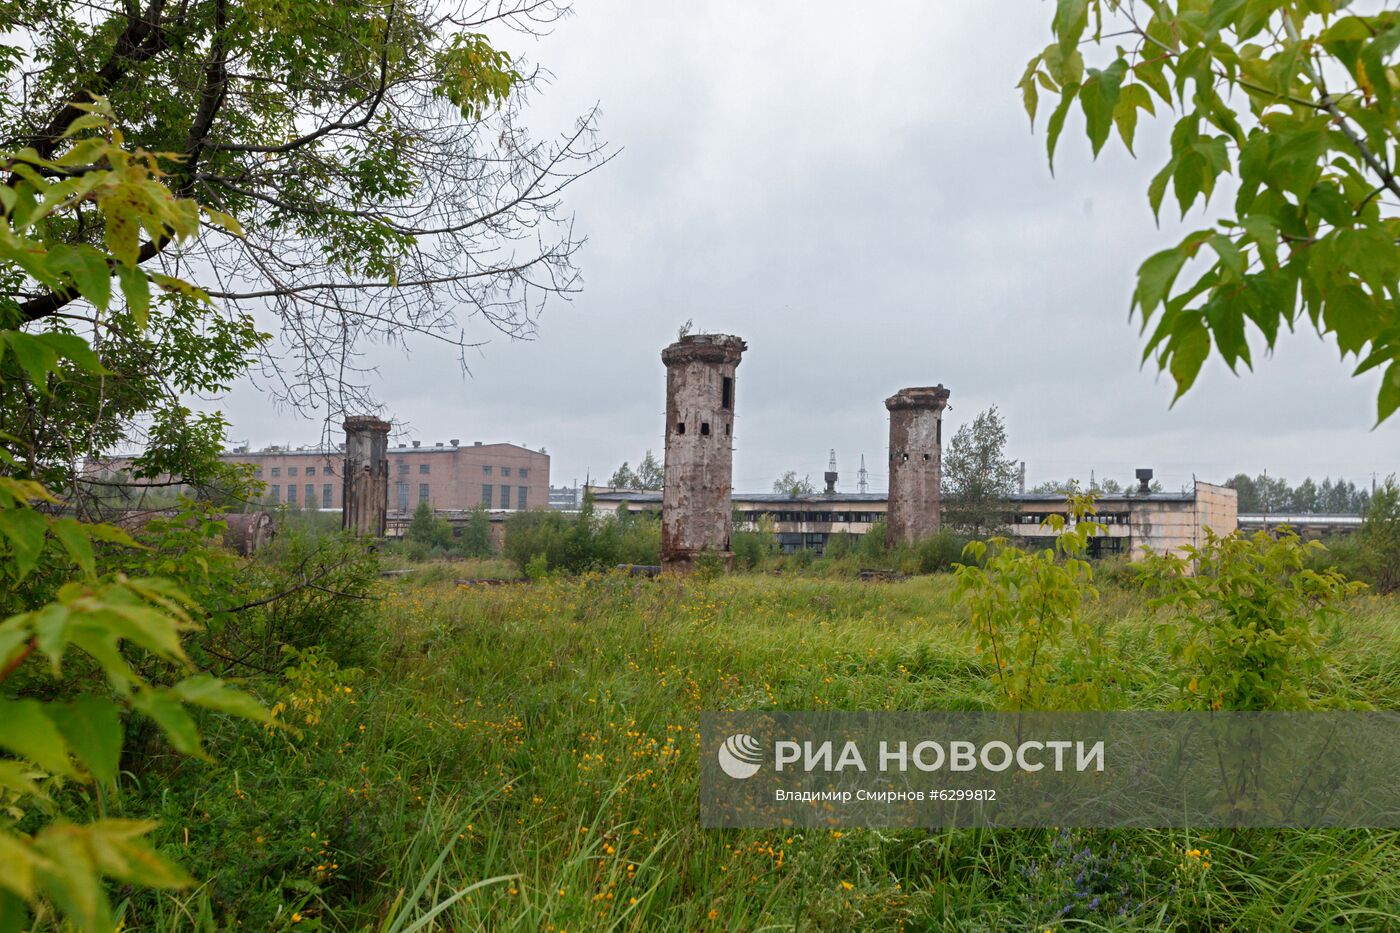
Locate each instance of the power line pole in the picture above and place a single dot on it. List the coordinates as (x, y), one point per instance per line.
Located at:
(862, 476)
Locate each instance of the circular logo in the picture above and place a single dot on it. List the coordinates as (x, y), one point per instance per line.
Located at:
(740, 756)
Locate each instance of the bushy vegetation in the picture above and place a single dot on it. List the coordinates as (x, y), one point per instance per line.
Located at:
(431, 536)
(527, 756)
(547, 541)
(1372, 554)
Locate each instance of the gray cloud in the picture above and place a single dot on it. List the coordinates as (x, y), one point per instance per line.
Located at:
(859, 197)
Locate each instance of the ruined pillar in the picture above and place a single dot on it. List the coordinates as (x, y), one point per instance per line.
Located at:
(365, 494)
(695, 505)
(916, 462)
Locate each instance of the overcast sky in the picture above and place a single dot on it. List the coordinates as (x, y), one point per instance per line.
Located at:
(860, 199)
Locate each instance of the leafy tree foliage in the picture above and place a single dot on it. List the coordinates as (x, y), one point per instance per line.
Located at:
(648, 475)
(1248, 635)
(58, 604)
(373, 153)
(623, 478)
(1298, 100)
(977, 475)
(794, 486)
(1264, 493)
(1106, 487)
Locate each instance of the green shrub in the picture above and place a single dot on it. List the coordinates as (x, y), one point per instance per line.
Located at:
(1252, 614)
(1025, 608)
(1372, 553)
(583, 542)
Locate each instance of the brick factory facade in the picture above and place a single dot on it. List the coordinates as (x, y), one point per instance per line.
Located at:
(446, 476)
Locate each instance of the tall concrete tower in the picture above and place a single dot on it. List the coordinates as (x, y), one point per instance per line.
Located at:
(695, 506)
(916, 462)
(365, 496)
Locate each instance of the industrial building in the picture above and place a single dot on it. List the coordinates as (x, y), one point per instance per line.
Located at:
(1160, 521)
(448, 476)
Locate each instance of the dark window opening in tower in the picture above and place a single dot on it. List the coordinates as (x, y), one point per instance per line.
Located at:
(680, 427)
(925, 458)
(938, 432)
(726, 393)
(905, 456)
(705, 429)
(727, 427)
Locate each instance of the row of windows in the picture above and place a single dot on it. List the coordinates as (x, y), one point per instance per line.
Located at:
(522, 500)
(1103, 518)
(403, 467)
(277, 471)
(274, 495)
(754, 516)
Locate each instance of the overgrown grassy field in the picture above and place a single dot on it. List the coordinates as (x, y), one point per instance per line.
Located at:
(534, 746)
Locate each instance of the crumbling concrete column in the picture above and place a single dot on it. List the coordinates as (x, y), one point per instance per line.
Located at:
(365, 495)
(695, 506)
(916, 462)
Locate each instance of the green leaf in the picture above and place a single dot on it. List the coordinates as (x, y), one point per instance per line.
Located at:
(121, 853)
(18, 859)
(74, 538)
(93, 727)
(69, 878)
(1388, 400)
(1099, 97)
(32, 735)
(1131, 98)
(25, 529)
(211, 693)
(1349, 313)
(136, 289)
(1030, 96)
(1263, 232)
(86, 269)
(1057, 122)
(1071, 18)
(50, 625)
(1232, 261)
(1155, 278)
(1187, 352)
(177, 724)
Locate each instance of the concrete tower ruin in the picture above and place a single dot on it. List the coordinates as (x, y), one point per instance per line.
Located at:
(695, 505)
(916, 462)
(365, 496)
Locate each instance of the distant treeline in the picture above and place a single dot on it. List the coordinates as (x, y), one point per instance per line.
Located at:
(1272, 494)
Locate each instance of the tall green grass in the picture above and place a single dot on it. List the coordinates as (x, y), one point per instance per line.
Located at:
(524, 757)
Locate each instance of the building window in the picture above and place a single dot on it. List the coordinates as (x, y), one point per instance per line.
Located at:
(291, 471)
(403, 467)
(310, 471)
(276, 495)
(520, 493)
(524, 472)
(276, 471)
(402, 490)
(422, 468)
(257, 473)
(422, 492)
(291, 493)
(326, 496)
(486, 494)
(505, 496)
(310, 498)
(505, 471)
(726, 393)
(486, 470)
